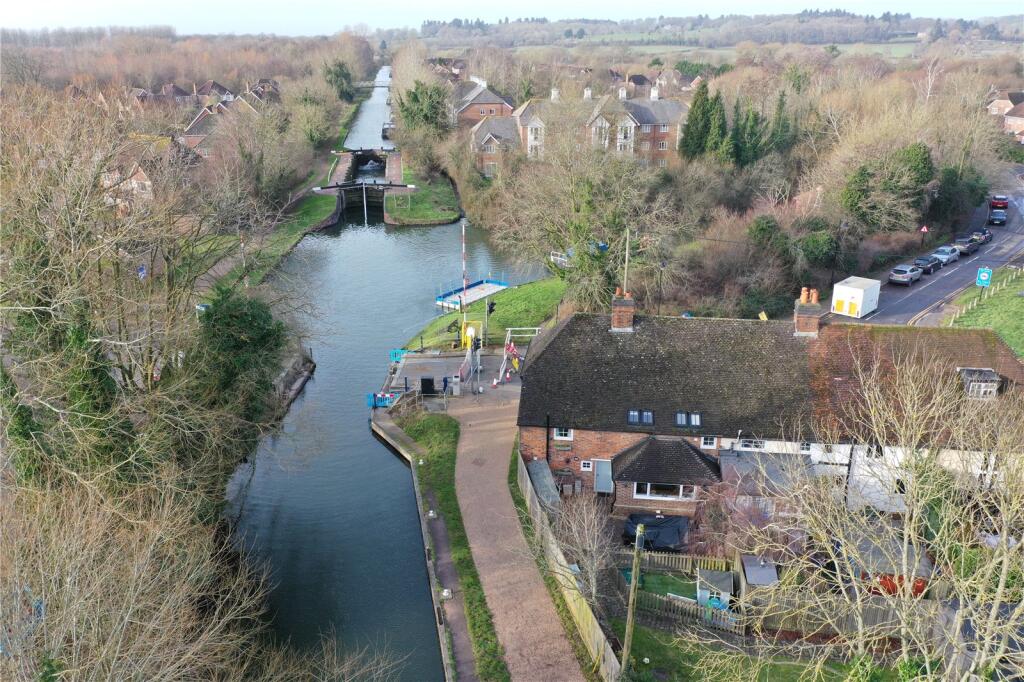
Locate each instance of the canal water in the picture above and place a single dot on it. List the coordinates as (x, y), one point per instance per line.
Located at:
(324, 505)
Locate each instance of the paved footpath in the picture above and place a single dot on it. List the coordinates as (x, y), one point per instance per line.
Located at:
(528, 627)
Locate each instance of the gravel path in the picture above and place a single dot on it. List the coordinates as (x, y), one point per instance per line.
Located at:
(528, 627)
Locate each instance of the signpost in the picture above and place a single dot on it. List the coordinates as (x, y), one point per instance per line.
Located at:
(923, 231)
(984, 277)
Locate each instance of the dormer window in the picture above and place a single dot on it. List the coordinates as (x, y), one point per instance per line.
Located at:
(685, 419)
(980, 383)
(640, 417)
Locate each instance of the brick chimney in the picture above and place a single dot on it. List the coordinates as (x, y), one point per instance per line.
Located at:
(623, 308)
(807, 313)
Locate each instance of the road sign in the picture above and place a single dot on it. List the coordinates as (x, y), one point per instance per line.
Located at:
(984, 277)
(924, 228)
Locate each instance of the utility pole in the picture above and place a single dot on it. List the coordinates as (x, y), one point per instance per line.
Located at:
(634, 579)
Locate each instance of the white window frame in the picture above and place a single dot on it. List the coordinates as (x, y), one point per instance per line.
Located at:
(662, 145)
(682, 496)
(708, 442)
(645, 146)
(629, 417)
(645, 128)
(643, 417)
(664, 127)
(662, 163)
(568, 433)
(586, 465)
(696, 419)
(483, 112)
(489, 148)
(983, 390)
(750, 444)
(685, 422)
(805, 446)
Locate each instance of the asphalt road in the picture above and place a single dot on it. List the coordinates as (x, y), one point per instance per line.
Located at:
(923, 303)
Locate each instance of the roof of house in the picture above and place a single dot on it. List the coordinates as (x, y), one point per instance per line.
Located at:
(638, 79)
(758, 571)
(212, 87)
(1012, 96)
(1016, 112)
(740, 375)
(501, 128)
(664, 459)
(643, 111)
(762, 473)
(172, 90)
(469, 93)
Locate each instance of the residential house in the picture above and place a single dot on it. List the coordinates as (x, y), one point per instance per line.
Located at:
(1013, 120)
(492, 138)
(638, 85)
(473, 100)
(130, 179)
(197, 135)
(211, 91)
(172, 94)
(647, 128)
(1003, 101)
(622, 402)
(262, 92)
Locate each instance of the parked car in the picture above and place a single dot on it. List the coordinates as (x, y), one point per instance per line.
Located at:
(997, 216)
(928, 264)
(999, 201)
(967, 244)
(983, 235)
(947, 254)
(905, 274)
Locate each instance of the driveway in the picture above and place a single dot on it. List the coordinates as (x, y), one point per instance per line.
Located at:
(536, 647)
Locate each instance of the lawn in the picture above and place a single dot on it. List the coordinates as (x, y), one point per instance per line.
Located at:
(433, 202)
(680, 661)
(662, 583)
(1003, 311)
(438, 435)
(307, 213)
(527, 305)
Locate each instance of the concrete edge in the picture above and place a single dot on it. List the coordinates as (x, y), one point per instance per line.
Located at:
(386, 428)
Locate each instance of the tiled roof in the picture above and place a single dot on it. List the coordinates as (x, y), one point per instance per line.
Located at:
(1016, 112)
(663, 459)
(502, 128)
(644, 111)
(470, 93)
(739, 374)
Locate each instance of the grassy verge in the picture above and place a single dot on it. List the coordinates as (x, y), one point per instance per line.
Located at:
(527, 305)
(432, 202)
(1002, 311)
(439, 436)
(677, 661)
(307, 213)
(587, 666)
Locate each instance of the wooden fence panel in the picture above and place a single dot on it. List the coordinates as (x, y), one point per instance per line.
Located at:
(671, 562)
(600, 649)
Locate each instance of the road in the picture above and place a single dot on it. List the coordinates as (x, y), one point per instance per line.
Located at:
(926, 301)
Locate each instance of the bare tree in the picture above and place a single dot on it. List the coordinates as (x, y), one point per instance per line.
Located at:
(583, 529)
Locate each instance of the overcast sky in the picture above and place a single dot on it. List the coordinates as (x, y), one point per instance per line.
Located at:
(313, 17)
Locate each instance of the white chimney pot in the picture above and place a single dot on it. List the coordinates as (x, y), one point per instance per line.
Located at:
(654, 93)
(622, 93)
(554, 94)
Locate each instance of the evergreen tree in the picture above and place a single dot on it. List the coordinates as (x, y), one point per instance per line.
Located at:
(781, 135)
(752, 136)
(718, 131)
(736, 132)
(695, 134)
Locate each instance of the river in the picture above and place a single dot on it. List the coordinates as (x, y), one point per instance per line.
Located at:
(324, 505)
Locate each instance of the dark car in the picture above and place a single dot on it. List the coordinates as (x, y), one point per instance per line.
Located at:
(999, 201)
(967, 244)
(997, 216)
(905, 274)
(983, 235)
(928, 264)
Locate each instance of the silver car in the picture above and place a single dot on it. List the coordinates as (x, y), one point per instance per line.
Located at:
(947, 254)
(905, 274)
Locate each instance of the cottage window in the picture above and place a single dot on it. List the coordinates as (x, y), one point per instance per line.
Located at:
(483, 112)
(586, 465)
(663, 127)
(664, 491)
(805, 447)
(535, 133)
(707, 442)
(624, 132)
(633, 417)
(489, 148)
(681, 419)
(563, 433)
(662, 163)
(492, 111)
(696, 419)
(751, 444)
(647, 417)
(983, 390)
(663, 145)
(646, 128)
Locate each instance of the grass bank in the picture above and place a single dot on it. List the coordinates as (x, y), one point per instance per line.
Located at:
(587, 666)
(433, 202)
(438, 435)
(527, 305)
(307, 213)
(1002, 310)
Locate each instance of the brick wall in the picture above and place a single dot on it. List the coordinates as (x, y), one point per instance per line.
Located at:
(626, 504)
(471, 115)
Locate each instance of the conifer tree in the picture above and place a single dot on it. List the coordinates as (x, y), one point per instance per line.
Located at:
(718, 132)
(753, 137)
(736, 133)
(781, 134)
(695, 133)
